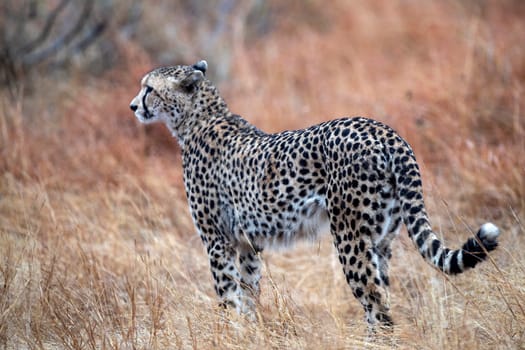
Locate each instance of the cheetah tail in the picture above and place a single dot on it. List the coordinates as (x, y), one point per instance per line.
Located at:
(473, 251)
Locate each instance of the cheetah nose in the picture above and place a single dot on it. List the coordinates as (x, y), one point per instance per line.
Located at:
(133, 107)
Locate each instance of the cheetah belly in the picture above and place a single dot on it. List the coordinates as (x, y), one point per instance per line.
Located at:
(307, 222)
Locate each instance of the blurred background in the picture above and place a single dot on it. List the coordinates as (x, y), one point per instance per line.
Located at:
(92, 202)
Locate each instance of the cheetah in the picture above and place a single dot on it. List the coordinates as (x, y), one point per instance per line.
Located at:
(249, 190)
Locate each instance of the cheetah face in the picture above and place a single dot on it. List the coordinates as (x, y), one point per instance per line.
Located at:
(167, 92)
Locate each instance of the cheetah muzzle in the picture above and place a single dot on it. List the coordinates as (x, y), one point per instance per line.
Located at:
(249, 190)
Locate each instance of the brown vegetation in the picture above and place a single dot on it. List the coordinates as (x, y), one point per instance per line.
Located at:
(97, 250)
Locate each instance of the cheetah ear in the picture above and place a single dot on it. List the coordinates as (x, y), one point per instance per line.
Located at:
(192, 79)
(202, 66)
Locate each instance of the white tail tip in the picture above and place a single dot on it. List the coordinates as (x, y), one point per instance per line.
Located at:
(489, 231)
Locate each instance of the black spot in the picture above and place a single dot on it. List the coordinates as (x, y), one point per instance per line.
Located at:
(356, 277)
(415, 210)
(385, 279)
(364, 279)
(410, 194)
(352, 260)
(422, 238)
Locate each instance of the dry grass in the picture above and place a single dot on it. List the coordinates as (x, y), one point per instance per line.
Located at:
(97, 250)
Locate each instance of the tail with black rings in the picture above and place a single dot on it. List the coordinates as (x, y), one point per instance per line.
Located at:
(410, 195)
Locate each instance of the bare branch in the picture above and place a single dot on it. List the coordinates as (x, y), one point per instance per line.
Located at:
(87, 40)
(8, 69)
(50, 21)
(91, 36)
(63, 40)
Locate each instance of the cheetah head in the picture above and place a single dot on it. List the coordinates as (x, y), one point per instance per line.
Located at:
(167, 92)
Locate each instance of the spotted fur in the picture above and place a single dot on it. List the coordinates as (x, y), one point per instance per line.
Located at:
(249, 190)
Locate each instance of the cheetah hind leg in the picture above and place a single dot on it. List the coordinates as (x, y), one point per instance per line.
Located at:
(366, 273)
(373, 290)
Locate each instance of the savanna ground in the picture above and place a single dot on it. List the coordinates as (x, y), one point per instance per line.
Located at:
(97, 249)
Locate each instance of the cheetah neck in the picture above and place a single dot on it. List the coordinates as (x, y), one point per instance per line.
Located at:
(206, 107)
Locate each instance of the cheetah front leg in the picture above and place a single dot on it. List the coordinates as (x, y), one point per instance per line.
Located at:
(250, 268)
(227, 277)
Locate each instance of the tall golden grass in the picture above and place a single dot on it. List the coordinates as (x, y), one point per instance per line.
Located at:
(97, 249)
